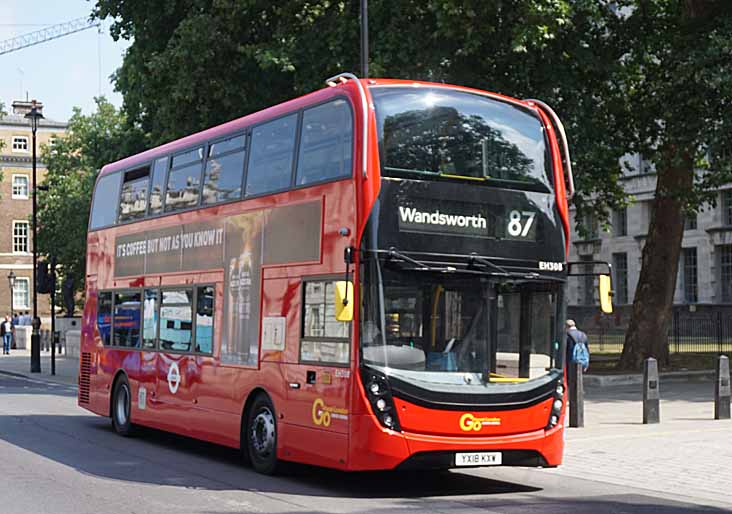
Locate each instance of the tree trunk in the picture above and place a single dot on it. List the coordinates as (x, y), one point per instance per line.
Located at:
(647, 334)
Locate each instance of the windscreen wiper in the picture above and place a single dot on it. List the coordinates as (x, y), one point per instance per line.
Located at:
(474, 258)
(421, 266)
(531, 275)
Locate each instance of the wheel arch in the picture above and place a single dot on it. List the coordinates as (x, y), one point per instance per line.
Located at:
(248, 405)
(117, 375)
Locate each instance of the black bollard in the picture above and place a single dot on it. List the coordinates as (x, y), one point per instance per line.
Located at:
(722, 390)
(651, 392)
(576, 396)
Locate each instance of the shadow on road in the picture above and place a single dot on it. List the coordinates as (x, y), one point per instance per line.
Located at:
(630, 504)
(90, 445)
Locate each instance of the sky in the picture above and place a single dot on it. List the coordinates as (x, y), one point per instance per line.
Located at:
(62, 73)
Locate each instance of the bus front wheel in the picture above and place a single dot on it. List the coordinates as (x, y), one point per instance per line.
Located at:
(261, 435)
(121, 406)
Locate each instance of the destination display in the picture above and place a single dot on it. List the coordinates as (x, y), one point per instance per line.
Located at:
(438, 216)
(463, 218)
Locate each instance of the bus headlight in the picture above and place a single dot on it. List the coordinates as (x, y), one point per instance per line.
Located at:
(379, 396)
(557, 405)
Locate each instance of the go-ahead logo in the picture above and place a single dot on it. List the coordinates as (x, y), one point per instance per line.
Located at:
(322, 413)
(470, 422)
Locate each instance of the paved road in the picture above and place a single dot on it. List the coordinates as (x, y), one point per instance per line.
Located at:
(56, 458)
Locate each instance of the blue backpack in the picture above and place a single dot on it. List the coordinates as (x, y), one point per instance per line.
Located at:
(580, 352)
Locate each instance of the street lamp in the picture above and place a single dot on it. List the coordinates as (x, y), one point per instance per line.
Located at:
(11, 283)
(34, 115)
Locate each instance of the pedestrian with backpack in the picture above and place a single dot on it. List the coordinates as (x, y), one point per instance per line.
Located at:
(578, 351)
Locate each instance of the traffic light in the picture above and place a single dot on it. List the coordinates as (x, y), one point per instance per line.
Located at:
(44, 281)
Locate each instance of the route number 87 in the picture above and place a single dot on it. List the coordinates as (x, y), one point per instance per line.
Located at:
(517, 226)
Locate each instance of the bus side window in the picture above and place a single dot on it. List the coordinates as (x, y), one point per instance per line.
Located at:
(224, 169)
(176, 320)
(133, 200)
(104, 316)
(149, 318)
(184, 180)
(160, 167)
(270, 159)
(325, 340)
(326, 143)
(126, 322)
(205, 298)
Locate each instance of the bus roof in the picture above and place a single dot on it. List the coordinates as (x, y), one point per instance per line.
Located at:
(270, 112)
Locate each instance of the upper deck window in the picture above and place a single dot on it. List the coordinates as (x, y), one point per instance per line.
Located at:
(270, 160)
(104, 204)
(184, 181)
(133, 200)
(327, 143)
(160, 167)
(436, 132)
(224, 169)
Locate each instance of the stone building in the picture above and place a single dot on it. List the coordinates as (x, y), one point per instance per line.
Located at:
(16, 167)
(704, 281)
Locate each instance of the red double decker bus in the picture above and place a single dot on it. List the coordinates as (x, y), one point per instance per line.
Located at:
(371, 276)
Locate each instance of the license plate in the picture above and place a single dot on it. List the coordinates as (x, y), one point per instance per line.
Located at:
(478, 459)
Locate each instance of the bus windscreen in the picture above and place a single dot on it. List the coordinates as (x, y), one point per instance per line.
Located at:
(436, 132)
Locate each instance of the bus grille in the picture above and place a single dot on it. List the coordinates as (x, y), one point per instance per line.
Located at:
(84, 377)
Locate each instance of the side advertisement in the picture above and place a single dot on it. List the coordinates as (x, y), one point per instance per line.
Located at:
(240, 245)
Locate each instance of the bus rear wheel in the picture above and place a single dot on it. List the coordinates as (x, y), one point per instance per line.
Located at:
(261, 435)
(121, 407)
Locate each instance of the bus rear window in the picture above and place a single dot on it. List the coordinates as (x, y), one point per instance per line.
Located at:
(104, 205)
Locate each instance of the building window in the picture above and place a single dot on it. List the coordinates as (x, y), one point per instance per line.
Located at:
(727, 207)
(20, 143)
(725, 268)
(20, 187)
(620, 266)
(589, 227)
(21, 293)
(690, 221)
(20, 237)
(690, 280)
(620, 222)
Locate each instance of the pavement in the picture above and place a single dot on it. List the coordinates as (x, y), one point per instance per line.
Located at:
(686, 458)
(18, 363)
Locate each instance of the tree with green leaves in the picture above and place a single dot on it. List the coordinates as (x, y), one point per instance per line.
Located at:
(629, 76)
(90, 142)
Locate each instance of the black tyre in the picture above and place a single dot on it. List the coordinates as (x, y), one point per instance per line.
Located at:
(121, 407)
(261, 435)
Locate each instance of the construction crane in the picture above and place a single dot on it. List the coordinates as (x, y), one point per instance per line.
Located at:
(47, 34)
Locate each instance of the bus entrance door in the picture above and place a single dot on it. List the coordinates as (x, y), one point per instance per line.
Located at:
(319, 412)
